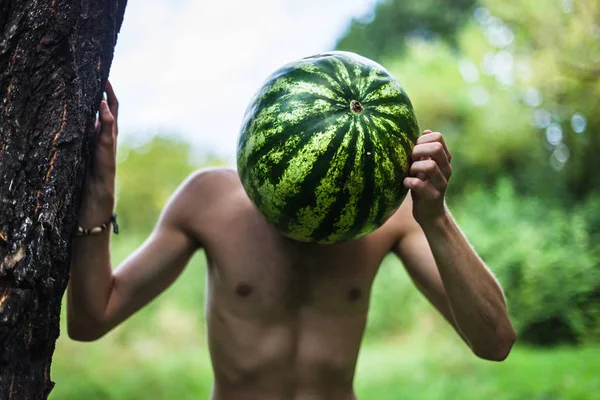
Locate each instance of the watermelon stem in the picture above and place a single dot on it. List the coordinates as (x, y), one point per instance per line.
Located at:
(356, 107)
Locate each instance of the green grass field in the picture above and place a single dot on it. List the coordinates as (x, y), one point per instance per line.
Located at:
(160, 353)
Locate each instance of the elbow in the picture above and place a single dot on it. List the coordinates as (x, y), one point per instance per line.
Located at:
(497, 354)
(80, 333)
(82, 336)
(498, 350)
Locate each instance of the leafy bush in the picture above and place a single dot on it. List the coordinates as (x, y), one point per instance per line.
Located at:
(545, 259)
(147, 176)
(395, 302)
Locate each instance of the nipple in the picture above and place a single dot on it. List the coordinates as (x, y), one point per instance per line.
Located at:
(244, 290)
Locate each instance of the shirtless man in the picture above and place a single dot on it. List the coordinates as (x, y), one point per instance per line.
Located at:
(285, 319)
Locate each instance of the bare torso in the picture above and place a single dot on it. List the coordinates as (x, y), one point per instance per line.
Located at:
(285, 319)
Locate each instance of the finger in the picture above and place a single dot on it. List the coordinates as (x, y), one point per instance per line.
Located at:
(431, 170)
(421, 175)
(107, 120)
(113, 103)
(435, 151)
(413, 183)
(105, 151)
(435, 137)
(422, 189)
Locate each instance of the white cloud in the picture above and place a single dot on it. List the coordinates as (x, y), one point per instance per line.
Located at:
(190, 67)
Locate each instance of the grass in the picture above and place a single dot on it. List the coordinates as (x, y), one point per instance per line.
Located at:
(160, 353)
(436, 368)
(432, 367)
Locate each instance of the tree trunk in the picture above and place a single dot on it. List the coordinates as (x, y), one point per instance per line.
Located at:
(55, 56)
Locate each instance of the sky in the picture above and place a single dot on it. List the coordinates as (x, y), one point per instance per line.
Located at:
(190, 67)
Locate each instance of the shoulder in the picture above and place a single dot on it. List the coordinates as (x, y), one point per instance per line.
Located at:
(202, 194)
(209, 187)
(211, 181)
(215, 206)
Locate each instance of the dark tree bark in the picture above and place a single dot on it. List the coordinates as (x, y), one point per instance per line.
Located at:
(55, 56)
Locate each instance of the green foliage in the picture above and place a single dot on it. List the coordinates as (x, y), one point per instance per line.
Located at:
(147, 176)
(556, 51)
(545, 259)
(517, 92)
(394, 22)
(396, 305)
(488, 141)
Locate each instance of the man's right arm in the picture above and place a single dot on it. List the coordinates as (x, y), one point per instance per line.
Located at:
(99, 298)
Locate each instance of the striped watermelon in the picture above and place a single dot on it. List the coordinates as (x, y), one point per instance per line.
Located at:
(325, 145)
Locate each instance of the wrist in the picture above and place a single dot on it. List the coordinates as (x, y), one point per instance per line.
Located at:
(96, 210)
(81, 231)
(436, 221)
(100, 188)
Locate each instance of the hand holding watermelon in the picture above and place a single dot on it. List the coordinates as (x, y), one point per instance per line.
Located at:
(429, 175)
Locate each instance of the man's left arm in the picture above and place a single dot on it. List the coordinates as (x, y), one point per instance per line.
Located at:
(443, 264)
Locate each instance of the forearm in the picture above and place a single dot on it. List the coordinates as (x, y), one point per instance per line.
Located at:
(91, 274)
(474, 296)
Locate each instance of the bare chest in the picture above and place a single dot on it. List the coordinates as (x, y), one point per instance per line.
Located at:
(267, 277)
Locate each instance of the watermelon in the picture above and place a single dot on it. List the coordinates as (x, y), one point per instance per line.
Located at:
(325, 145)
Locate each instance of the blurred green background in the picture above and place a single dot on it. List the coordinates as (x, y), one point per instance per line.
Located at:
(515, 88)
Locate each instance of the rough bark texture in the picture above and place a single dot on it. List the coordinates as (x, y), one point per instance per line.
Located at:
(55, 56)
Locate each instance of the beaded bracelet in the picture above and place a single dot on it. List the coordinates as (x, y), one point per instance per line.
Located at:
(92, 231)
